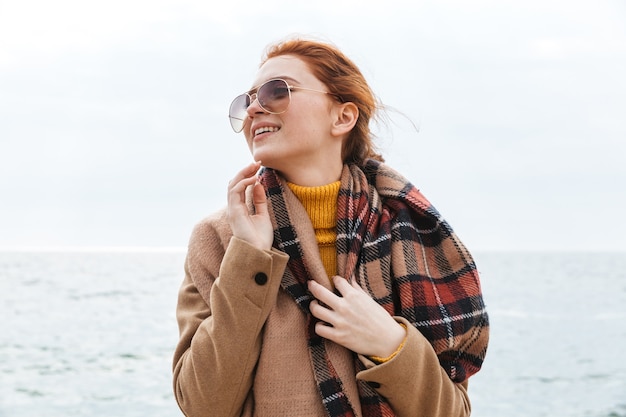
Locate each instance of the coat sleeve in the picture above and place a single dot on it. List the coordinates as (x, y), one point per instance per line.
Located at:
(414, 383)
(220, 319)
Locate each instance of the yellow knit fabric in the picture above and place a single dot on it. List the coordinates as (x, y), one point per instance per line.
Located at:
(320, 204)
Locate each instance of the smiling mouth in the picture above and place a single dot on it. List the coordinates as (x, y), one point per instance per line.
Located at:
(265, 129)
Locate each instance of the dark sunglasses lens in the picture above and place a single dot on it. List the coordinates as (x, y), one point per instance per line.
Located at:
(238, 112)
(273, 96)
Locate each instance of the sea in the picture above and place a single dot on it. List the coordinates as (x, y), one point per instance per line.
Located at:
(92, 332)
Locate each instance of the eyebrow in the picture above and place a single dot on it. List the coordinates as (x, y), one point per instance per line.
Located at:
(288, 78)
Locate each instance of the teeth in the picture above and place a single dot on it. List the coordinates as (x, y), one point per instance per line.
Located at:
(265, 129)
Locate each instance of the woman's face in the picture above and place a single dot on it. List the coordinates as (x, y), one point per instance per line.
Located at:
(301, 138)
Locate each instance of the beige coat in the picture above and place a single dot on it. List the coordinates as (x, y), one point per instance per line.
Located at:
(243, 345)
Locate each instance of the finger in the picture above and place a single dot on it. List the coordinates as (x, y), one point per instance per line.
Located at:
(320, 312)
(241, 185)
(259, 199)
(342, 284)
(325, 331)
(248, 171)
(322, 293)
(355, 284)
(237, 192)
(238, 184)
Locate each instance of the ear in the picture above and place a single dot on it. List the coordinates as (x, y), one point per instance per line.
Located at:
(345, 116)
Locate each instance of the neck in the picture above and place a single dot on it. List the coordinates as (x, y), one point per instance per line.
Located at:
(313, 176)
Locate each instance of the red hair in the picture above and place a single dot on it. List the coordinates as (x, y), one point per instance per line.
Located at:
(344, 80)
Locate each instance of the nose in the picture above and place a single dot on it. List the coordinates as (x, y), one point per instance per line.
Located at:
(254, 107)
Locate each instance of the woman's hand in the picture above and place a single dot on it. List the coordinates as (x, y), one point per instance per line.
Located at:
(355, 320)
(257, 228)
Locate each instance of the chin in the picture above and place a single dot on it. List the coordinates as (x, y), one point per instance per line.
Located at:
(267, 158)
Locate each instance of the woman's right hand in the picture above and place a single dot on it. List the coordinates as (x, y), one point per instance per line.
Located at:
(256, 228)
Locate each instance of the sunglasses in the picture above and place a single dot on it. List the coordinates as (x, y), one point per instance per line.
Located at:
(273, 97)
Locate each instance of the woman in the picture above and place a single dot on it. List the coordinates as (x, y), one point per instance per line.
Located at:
(329, 286)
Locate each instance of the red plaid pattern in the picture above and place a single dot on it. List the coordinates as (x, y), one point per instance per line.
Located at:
(399, 248)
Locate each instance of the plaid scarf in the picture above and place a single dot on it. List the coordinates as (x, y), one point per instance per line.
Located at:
(398, 247)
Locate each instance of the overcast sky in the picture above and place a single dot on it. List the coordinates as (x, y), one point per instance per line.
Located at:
(114, 129)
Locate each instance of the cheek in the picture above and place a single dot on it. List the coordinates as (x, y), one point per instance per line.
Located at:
(248, 140)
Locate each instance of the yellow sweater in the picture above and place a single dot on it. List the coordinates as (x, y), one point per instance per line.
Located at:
(320, 204)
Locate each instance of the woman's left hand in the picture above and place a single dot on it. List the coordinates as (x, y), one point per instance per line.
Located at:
(354, 320)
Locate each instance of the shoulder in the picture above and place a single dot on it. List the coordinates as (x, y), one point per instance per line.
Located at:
(213, 229)
(208, 242)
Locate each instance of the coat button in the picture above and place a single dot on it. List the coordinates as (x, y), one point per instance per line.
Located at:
(260, 278)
